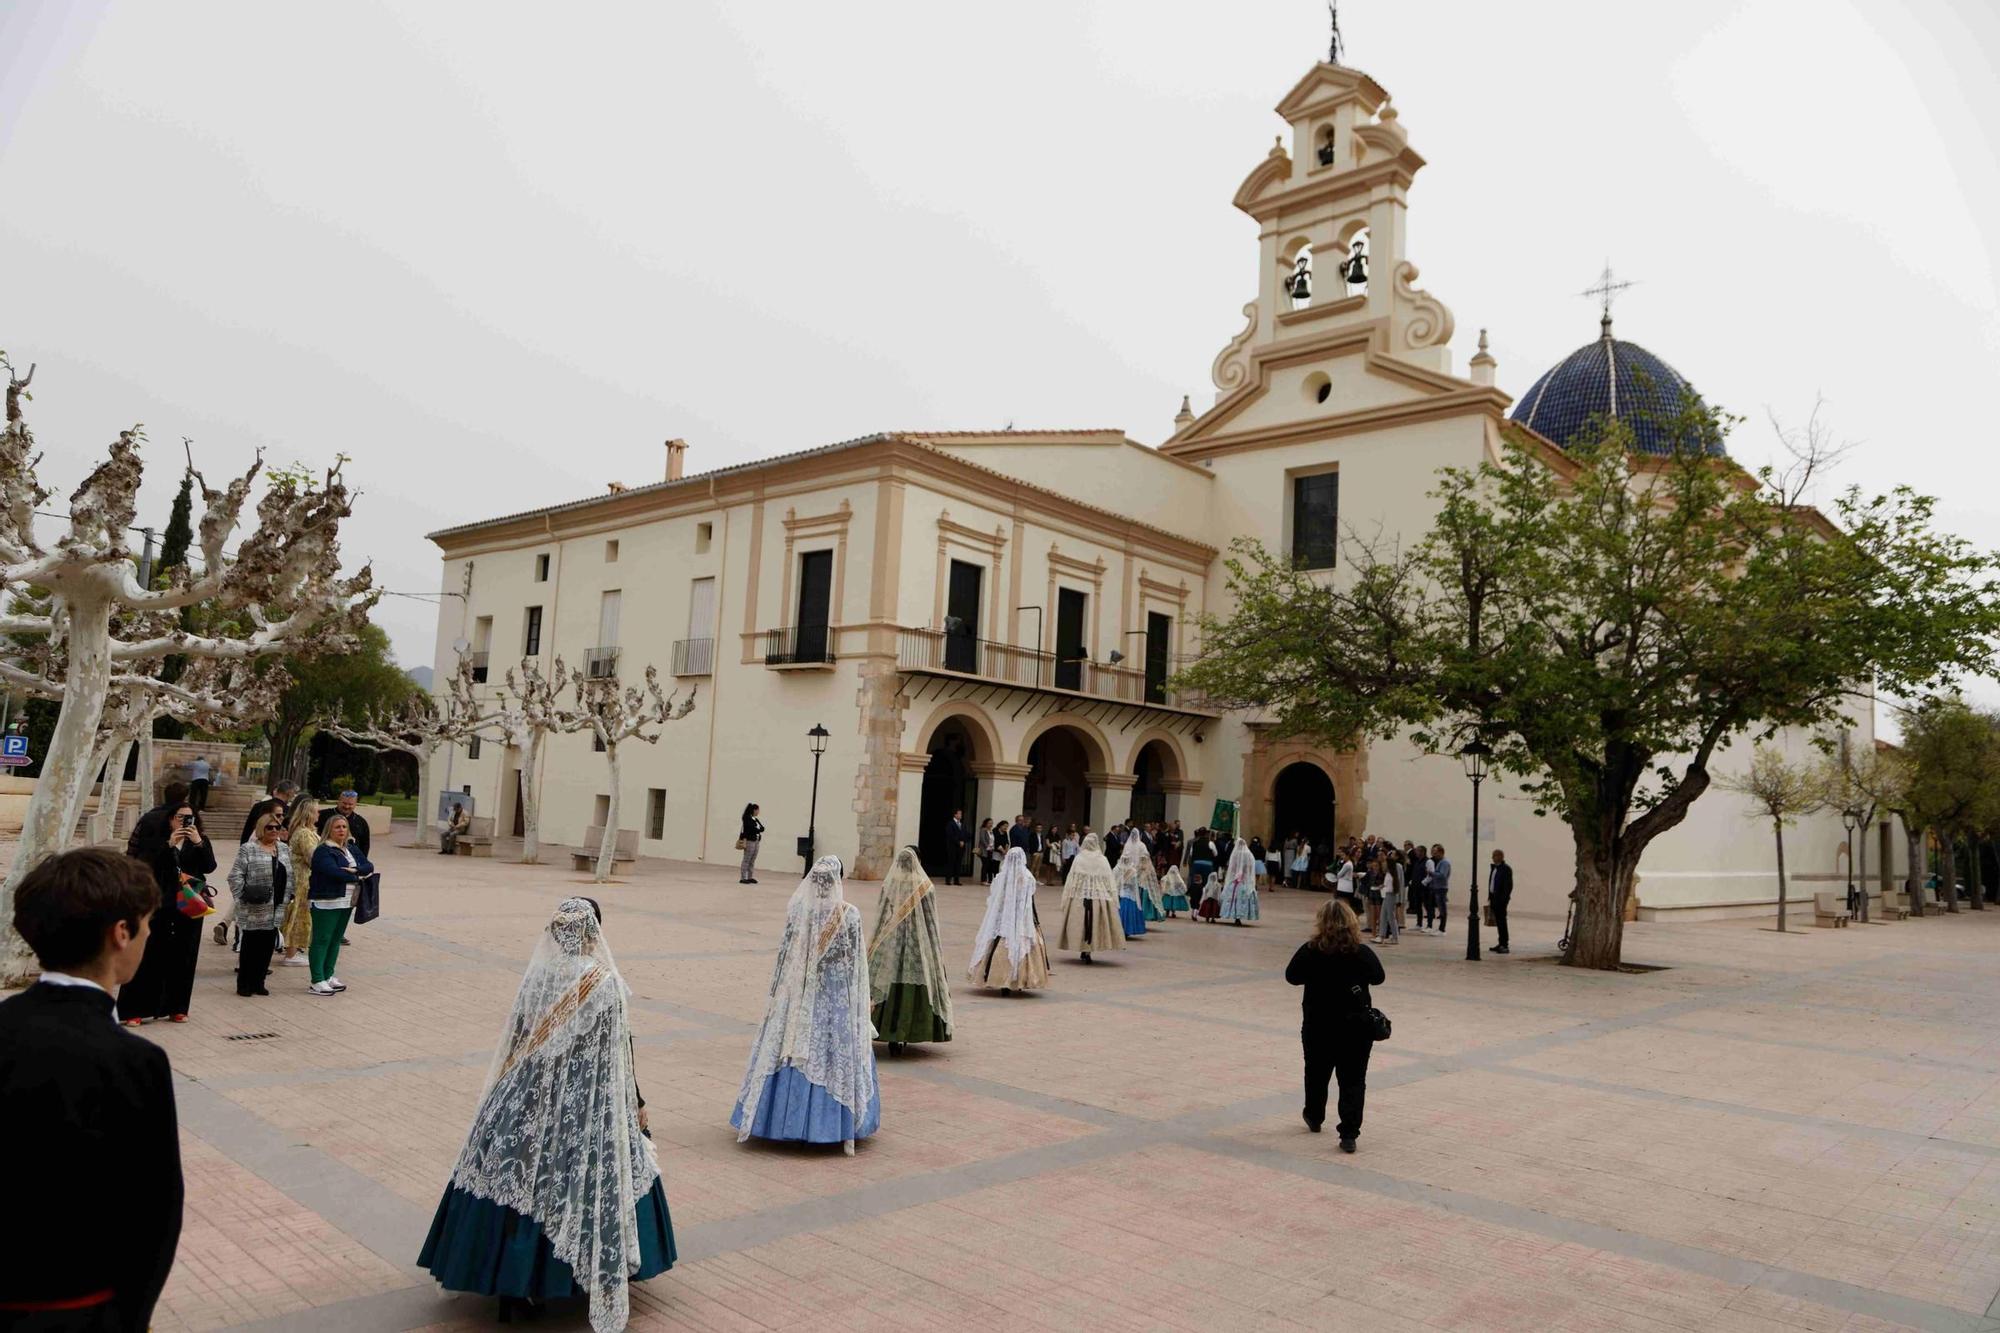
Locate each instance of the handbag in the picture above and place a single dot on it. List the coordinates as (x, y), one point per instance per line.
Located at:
(367, 899)
(1375, 1020)
(194, 901)
(740, 844)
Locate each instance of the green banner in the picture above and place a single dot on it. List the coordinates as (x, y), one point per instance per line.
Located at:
(1224, 819)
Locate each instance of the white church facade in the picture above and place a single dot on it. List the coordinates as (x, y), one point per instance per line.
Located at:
(973, 640)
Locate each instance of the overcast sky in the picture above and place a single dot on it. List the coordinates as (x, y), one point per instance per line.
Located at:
(497, 253)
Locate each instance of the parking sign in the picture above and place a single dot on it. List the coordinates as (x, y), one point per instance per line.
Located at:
(13, 751)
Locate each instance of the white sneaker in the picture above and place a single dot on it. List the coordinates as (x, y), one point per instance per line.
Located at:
(336, 983)
(321, 988)
(297, 960)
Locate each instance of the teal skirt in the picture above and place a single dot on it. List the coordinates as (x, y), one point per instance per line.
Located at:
(481, 1247)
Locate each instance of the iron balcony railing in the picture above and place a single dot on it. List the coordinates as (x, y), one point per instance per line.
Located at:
(600, 663)
(477, 661)
(799, 645)
(1010, 664)
(694, 657)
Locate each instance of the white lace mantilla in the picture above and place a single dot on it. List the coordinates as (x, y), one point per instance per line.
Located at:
(1010, 913)
(1090, 875)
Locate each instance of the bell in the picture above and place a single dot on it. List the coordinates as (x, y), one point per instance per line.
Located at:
(1326, 154)
(1301, 285)
(1355, 270)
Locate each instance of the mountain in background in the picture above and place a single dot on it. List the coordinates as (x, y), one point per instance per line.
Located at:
(421, 675)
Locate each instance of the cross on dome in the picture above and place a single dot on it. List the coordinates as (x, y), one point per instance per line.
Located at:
(1606, 291)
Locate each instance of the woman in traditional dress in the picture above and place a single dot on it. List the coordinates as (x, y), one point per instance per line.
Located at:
(1009, 952)
(1209, 907)
(1173, 892)
(1136, 881)
(906, 980)
(1238, 900)
(557, 1192)
(1090, 903)
(811, 1077)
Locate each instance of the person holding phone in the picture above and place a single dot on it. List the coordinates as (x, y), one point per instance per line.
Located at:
(169, 841)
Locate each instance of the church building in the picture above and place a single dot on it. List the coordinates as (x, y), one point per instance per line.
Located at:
(972, 640)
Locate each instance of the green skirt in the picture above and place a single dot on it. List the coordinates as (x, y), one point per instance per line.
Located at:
(906, 1014)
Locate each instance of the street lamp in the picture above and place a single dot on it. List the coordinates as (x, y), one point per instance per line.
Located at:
(1850, 819)
(1474, 757)
(817, 739)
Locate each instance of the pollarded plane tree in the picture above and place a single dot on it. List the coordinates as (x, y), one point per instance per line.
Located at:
(280, 591)
(1606, 622)
(525, 714)
(613, 715)
(419, 726)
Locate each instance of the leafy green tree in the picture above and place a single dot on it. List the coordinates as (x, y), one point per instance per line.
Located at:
(1954, 754)
(351, 686)
(1607, 621)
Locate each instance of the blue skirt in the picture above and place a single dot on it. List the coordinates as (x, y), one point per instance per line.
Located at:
(1131, 917)
(794, 1109)
(478, 1246)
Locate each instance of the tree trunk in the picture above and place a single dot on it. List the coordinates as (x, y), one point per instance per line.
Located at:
(146, 797)
(110, 792)
(1778, 831)
(1913, 883)
(1949, 871)
(607, 851)
(1975, 891)
(1861, 866)
(1602, 883)
(64, 767)
(531, 828)
(427, 833)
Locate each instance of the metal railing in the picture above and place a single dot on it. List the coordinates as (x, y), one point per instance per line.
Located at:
(799, 645)
(599, 663)
(1009, 664)
(477, 661)
(694, 657)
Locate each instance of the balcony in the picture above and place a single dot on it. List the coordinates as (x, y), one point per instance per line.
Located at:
(808, 646)
(936, 652)
(694, 657)
(600, 663)
(477, 661)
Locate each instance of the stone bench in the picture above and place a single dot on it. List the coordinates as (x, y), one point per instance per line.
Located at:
(477, 840)
(1893, 907)
(1829, 910)
(625, 853)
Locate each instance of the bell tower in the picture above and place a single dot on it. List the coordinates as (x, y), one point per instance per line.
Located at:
(1330, 208)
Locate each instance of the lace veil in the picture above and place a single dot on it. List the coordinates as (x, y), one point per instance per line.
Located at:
(1242, 867)
(904, 947)
(817, 1017)
(1090, 874)
(1135, 870)
(1010, 911)
(1174, 883)
(556, 1136)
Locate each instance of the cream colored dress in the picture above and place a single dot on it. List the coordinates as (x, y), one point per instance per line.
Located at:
(298, 925)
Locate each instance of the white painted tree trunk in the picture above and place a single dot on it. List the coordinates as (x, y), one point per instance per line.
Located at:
(607, 853)
(105, 826)
(65, 768)
(427, 832)
(147, 799)
(531, 812)
(99, 762)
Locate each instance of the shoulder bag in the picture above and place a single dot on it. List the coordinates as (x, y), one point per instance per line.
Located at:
(1373, 1020)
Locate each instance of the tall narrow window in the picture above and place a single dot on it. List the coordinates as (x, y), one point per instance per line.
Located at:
(1070, 648)
(961, 620)
(531, 633)
(1315, 520)
(1159, 635)
(603, 659)
(542, 568)
(815, 604)
(482, 647)
(695, 655)
(656, 813)
(472, 748)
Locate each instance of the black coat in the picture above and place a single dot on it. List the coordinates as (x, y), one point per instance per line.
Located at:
(1331, 1007)
(753, 829)
(357, 827)
(956, 835)
(97, 1166)
(1500, 884)
(1023, 837)
(150, 843)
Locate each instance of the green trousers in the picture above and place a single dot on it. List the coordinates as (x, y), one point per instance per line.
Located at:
(329, 924)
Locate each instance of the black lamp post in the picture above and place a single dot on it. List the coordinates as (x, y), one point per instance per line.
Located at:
(1850, 819)
(816, 738)
(1474, 757)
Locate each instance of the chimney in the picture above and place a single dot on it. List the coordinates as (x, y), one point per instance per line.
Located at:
(1483, 364)
(676, 458)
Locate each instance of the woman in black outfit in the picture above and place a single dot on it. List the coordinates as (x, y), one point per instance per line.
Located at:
(169, 840)
(1336, 969)
(748, 839)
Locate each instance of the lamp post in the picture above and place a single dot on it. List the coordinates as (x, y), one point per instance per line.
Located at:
(1474, 757)
(816, 738)
(1850, 819)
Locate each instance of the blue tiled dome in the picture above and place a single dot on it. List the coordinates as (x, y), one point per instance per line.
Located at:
(1607, 377)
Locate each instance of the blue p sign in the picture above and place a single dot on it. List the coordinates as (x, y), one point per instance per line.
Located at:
(13, 750)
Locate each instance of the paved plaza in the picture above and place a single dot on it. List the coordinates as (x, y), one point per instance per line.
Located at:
(1781, 1132)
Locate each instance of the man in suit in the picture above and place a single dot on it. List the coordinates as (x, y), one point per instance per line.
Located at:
(1500, 888)
(97, 1170)
(277, 803)
(954, 840)
(357, 826)
(1022, 835)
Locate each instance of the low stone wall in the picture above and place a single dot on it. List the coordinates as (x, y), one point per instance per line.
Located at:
(14, 795)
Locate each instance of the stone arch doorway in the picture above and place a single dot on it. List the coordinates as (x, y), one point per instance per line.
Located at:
(1302, 801)
(1057, 790)
(948, 785)
(1151, 768)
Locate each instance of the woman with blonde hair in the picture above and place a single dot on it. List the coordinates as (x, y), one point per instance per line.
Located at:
(1336, 1030)
(302, 836)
